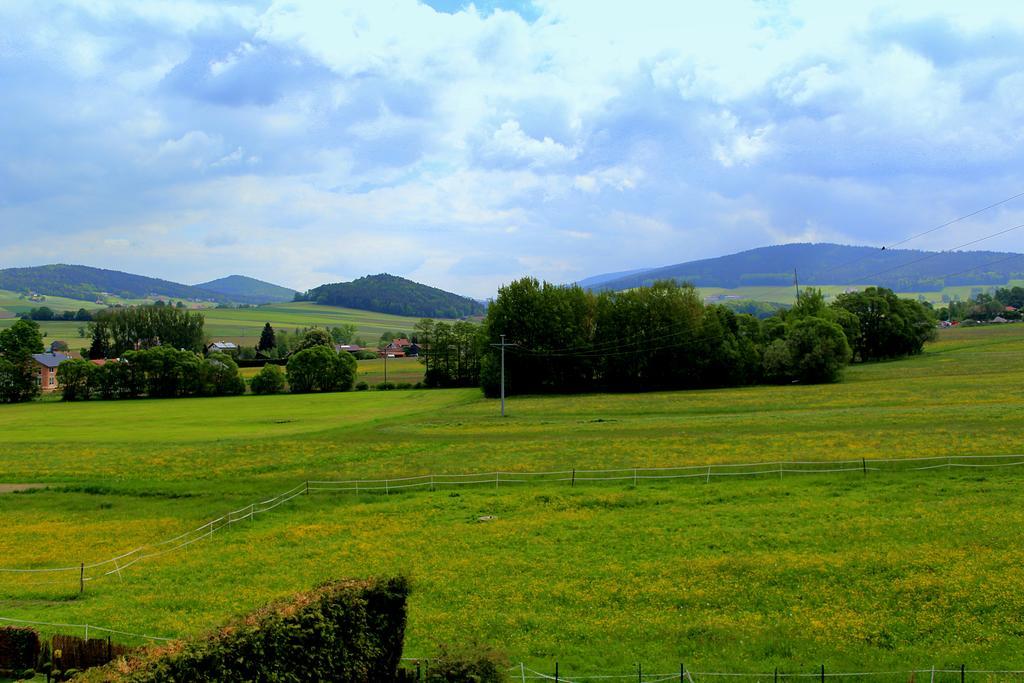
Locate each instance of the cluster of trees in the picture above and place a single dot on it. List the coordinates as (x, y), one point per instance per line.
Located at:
(450, 352)
(166, 372)
(313, 365)
(159, 372)
(115, 331)
(663, 336)
(984, 306)
(887, 326)
(396, 295)
(279, 344)
(46, 313)
(17, 369)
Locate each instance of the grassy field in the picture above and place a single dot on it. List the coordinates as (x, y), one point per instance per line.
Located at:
(243, 325)
(891, 571)
(400, 370)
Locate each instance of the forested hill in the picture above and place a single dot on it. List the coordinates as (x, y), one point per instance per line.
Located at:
(902, 270)
(391, 294)
(87, 284)
(242, 288)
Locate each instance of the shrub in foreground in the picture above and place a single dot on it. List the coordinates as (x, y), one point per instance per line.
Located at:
(478, 664)
(350, 631)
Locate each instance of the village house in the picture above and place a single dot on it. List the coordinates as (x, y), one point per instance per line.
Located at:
(46, 369)
(400, 348)
(222, 347)
(351, 348)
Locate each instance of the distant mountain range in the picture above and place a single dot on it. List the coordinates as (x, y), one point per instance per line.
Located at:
(89, 284)
(249, 288)
(391, 294)
(902, 270)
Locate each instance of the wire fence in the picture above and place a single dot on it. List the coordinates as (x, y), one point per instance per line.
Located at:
(87, 629)
(636, 476)
(521, 672)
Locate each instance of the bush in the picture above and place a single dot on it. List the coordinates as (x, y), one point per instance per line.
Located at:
(362, 386)
(321, 368)
(385, 386)
(219, 376)
(403, 386)
(269, 380)
(476, 664)
(818, 349)
(342, 631)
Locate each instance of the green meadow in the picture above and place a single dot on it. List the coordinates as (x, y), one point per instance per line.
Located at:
(245, 324)
(240, 325)
(885, 570)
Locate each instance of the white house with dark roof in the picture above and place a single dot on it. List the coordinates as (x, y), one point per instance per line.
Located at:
(46, 369)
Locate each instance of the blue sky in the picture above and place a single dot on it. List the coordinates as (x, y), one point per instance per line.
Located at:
(467, 145)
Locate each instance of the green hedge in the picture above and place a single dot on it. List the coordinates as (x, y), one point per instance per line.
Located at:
(348, 631)
(19, 647)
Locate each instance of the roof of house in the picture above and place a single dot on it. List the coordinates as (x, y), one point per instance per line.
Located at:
(401, 342)
(50, 360)
(223, 346)
(347, 347)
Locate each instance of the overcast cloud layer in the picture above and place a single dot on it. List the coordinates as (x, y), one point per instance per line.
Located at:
(305, 142)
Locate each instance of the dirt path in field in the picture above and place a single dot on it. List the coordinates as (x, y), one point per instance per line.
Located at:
(11, 488)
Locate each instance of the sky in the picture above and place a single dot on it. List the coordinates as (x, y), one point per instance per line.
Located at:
(465, 145)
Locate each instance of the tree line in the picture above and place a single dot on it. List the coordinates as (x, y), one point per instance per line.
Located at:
(567, 339)
(166, 372)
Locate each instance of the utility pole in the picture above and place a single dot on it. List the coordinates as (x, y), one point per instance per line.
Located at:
(796, 281)
(385, 365)
(502, 345)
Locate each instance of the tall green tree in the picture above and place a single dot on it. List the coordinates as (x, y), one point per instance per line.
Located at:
(315, 337)
(77, 380)
(320, 368)
(145, 327)
(888, 326)
(18, 378)
(818, 350)
(267, 340)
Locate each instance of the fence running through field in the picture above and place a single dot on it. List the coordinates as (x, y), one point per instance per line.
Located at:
(85, 572)
(933, 675)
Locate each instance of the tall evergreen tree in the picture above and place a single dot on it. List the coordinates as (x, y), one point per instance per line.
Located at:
(267, 339)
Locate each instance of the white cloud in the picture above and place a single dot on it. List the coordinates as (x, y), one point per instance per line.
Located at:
(589, 139)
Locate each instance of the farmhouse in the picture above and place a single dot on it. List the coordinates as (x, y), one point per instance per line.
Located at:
(400, 348)
(351, 348)
(221, 347)
(46, 369)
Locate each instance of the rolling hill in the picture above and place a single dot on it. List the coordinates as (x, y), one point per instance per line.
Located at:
(240, 287)
(902, 270)
(85, 283)
(395, 295)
